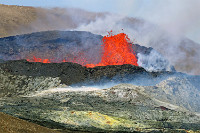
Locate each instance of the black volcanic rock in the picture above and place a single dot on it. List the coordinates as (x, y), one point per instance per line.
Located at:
(72, 73)
(69, 73)
(20, 77)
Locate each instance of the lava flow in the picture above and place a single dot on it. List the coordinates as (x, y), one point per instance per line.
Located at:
(39, 60)
(116, 50)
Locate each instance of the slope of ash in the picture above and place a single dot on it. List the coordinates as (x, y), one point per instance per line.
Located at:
(39, 93)
(15, 85)
(123, 108)
(75, 46)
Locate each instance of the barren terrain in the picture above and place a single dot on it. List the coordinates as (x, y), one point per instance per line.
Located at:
(11, 124)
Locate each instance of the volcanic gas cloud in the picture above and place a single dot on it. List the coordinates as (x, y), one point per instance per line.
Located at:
(116, 50)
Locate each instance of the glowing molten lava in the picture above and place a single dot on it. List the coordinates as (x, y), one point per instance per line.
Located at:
(39, 60)
(116, 50)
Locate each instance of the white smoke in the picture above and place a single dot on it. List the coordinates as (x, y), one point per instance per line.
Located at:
(116, 23)
(102, 26)
(138, 32)
(154, 62)
(62, 90)
(175, 16)
(174, 47)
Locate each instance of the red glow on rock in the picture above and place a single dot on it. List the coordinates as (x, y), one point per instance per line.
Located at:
(34, 59)
(116, 50)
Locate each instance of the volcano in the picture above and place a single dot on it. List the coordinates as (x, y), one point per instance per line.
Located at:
(93, 81)
(78, 81)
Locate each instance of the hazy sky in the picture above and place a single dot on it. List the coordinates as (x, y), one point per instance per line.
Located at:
(177, 16)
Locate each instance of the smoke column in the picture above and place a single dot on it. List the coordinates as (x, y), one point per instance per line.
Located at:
(163, 25)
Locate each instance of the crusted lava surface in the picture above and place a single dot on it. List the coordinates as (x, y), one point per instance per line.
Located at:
(72, 73)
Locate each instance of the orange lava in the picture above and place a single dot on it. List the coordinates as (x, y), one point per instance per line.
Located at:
(34, 59)
(116, 50)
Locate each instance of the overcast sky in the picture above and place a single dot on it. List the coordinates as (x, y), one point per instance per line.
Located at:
(181, 16)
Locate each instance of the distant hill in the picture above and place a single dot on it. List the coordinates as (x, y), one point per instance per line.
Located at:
(12, 17)
(15, 20)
